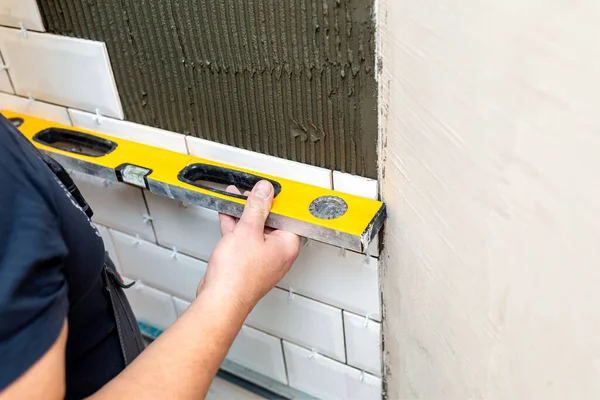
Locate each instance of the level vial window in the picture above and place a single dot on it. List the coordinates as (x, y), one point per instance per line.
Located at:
(133, 174)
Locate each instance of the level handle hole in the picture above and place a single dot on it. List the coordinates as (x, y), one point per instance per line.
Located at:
(75, 142)
(216, 179)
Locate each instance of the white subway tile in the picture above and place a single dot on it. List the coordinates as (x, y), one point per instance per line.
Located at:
(363, 343)
(17, 12)
(259, 163)
(180, 305)
(300, 320)
(193, 230)
(327, 379)
(61, 70)
(5, 85)
(259, 352)
(156, 266)
(324, 273)
(109, 245)
(151, 306)
(130, 131)
(356, 185)
(37, 109)
(115, 205)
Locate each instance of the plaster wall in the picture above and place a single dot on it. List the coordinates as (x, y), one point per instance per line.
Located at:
(491, 262)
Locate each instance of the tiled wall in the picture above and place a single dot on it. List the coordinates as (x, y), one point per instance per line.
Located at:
(318, 331)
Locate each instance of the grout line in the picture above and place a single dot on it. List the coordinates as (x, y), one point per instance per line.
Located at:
(285, 366)
(344, 336)
(151, 221)
(28, 29)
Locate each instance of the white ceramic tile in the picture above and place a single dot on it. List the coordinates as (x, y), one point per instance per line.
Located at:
(130, 131)
(151, 306)
(327, 379)
(259, 162)
(363, 343)
(37, 109)
(180, 305)
(17, 12)
(118, 205)
(109, 245)
(193, 230)
(356, 185)
(323, 273)
(300, 320)
(259, 352)
(61, 70)
(156, 266)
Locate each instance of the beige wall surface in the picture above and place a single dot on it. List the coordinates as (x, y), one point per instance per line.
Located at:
(490, 120)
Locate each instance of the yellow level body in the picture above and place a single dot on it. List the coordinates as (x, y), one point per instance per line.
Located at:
(296, 207)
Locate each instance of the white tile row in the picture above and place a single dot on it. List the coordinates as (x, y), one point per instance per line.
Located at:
(34, 108)
(193, 230)
(151, 306)
(327, 379)
(341, 278)
(116, 205)
(130, 131)
(300, 320)
(61, 70)
(163, 269)
(16, 12)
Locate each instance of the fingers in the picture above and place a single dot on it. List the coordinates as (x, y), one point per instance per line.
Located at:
(258, 206)
(228, 222)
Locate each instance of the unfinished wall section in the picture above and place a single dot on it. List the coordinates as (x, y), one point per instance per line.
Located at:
(290, 79)
(491, 263)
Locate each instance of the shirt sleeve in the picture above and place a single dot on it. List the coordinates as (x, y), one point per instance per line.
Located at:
(33, 288)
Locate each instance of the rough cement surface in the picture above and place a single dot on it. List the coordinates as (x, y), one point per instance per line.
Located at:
(292, 79)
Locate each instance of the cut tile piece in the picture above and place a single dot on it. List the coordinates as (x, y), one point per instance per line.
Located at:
(191, 229)
(327, 379)
(17, 12)
(300, 320)
(180, 305)
(337, 277)
(151, 306)
(363, 343)
(259, 162)
(130, 131)
(173, 273)
(259, 352)
(116, 205)
(36, 109)
(61, 70)
(356, 185)
(109, 245)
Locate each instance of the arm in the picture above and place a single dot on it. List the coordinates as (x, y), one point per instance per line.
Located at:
(245, 265)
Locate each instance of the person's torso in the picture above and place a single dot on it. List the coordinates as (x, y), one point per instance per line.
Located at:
(93, 354)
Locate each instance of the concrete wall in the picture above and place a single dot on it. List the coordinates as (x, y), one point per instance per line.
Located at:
(489, 114)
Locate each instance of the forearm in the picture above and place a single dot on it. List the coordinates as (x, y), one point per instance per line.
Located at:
(182, 362)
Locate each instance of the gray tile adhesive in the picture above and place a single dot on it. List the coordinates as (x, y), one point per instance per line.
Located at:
(292, 78)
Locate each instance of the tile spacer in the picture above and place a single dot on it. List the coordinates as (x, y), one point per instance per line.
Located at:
(24, 31)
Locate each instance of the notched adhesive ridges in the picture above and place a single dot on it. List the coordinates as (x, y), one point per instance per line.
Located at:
(291, 79)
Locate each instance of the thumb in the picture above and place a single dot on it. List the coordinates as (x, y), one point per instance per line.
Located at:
(258, 207)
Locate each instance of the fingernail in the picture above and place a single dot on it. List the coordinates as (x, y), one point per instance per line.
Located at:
(262, 189)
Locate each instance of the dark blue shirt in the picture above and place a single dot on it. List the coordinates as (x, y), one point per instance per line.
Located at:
(51, 259)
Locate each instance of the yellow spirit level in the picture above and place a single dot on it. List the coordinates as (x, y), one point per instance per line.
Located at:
(320, 214)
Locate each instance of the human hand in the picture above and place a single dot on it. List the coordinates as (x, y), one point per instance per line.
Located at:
(250, 259)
